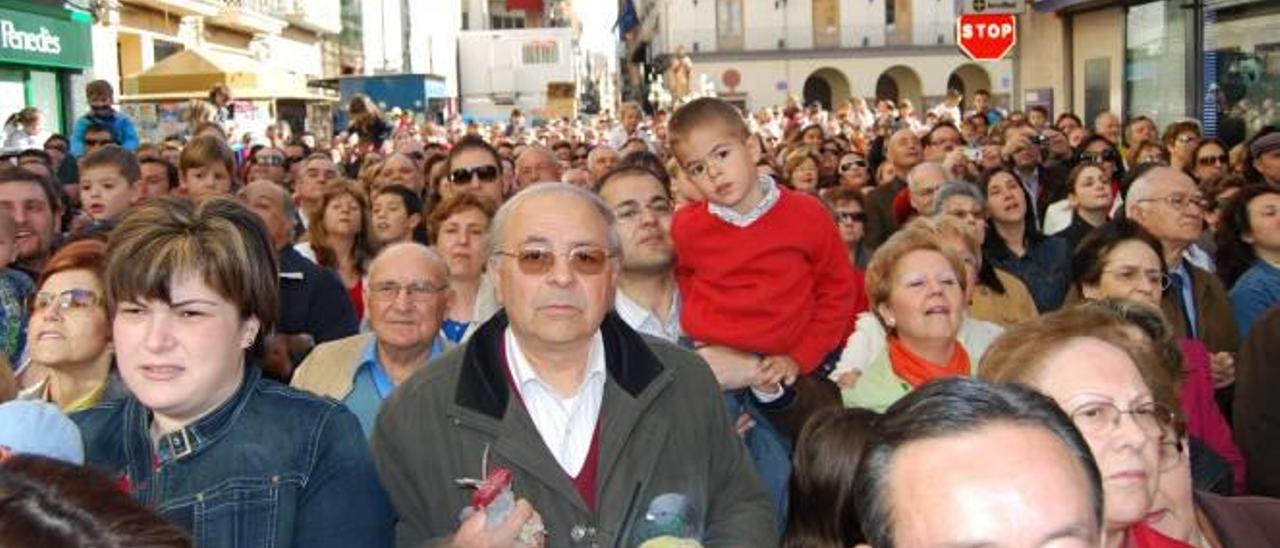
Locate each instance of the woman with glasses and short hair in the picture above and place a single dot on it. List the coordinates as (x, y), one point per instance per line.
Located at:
(1209, 159)
(1121, 260)
(69, 334)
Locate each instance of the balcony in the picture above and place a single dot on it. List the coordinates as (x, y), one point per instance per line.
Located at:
(202, 8)
(322, 16)
(253, 16)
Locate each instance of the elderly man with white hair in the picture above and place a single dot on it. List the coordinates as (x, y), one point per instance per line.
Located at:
(923, 182)
(407, 296)
(1167, 203)
(536, 164)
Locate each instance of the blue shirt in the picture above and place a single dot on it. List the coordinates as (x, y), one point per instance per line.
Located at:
(372, 384)
(1255, 291)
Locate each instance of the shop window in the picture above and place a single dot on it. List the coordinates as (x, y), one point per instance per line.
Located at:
(1097, 86)
(1241, 65)
(1156, 61)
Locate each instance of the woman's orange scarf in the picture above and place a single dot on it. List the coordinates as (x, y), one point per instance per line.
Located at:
(916, 371)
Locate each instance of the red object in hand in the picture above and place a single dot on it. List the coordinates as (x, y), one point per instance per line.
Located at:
(495, 482)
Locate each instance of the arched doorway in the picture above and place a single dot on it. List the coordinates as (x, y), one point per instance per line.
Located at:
(969, 78)
(899, 82)
(826, 86)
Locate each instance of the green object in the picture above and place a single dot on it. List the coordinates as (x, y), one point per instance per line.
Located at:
(33, 39)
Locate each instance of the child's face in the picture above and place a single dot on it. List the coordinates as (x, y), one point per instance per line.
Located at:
(721, 165)
(212, 180)
(105, 193)
(100, 102)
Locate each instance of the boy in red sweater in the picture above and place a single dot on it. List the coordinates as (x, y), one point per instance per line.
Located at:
(761, 269)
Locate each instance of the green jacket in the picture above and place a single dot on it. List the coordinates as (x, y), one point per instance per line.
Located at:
(664, 431)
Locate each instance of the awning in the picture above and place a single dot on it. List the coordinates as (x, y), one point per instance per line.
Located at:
(526, 5)
(192, 73)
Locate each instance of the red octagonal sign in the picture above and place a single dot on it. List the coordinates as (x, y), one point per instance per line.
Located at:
(986, 37)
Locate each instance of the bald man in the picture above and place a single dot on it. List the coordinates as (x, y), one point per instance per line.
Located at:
(407, 296)
(536, 164)
(903, 151)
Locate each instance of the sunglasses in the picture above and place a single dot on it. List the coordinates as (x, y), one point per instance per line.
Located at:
(71, 299)
(850, 217)
(1220, 159)
(1098, 157)
(584, 261)
(850, 165)
(462, 176)
(98, 142)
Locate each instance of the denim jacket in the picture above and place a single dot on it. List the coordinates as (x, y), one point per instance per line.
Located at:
(271, 467)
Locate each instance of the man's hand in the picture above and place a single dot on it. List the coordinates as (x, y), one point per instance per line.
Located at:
(733, 369)
(473, 534)
(1222, 369)
(779, 368)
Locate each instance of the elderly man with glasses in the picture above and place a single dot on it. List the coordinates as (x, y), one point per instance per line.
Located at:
(610, 437)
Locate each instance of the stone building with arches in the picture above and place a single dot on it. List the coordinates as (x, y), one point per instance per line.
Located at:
(824, 51)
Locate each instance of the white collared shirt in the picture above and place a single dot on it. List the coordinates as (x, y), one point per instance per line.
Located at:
(741, 220)
(645, 321)
(566, 424)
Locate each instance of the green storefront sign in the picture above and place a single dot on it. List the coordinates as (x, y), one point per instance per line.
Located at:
(32, 39)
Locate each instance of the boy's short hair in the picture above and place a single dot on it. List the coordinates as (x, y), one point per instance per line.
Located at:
(206, 150)
(99, 88)
(125, 162)
(701, 111)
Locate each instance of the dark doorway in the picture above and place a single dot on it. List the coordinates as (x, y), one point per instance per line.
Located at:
(887, 88)
(817, 89)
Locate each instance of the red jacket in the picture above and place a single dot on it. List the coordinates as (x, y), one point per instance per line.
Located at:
(782, 285)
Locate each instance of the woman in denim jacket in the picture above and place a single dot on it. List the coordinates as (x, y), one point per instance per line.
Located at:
(233, 458)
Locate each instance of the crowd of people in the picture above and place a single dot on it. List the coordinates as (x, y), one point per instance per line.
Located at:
(799, 326)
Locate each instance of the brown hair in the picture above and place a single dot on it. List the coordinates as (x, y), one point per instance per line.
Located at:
(219, 240)
(454, 204)
(8, 383)
(99, 88)
(125, 162)
(207, 150)
(828, 451)
(1021, 352)
(844, 194)
(797, 157)
(319, 237)
(1172, 131)
(703, 111)
(54, 504)
(915, 236)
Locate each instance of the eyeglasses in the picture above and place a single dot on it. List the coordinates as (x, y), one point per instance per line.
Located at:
(1220, 159)
(1097, 418)
(464, 176)
(418, 292)
(1099, 157)
(850, 217)
(71, 299)
(584, 261)
(1180, 201)
(1186, 138)
(98, 142)
(293, 159)
(850, 165)
(660, 206)
(1130, 275)
(271, 160)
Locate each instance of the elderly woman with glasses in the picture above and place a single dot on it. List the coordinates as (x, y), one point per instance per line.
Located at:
(69, 334)
(1121, 260)
(1116, 391)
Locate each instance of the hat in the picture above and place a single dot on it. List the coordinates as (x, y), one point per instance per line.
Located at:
(1265, 144)
(38, 428)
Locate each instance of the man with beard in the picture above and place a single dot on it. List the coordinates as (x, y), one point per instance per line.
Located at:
(37, 211)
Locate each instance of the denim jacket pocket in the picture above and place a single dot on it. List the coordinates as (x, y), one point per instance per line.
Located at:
(240, 512)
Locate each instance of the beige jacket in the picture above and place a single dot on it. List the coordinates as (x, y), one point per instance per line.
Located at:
(330, 368)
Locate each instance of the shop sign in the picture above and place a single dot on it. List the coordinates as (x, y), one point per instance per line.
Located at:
(33, 39)
(993, 6)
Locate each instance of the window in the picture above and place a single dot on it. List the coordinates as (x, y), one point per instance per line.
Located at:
(1241, 68)
(501, 21)
(890, 12)
(729, 24)
(1156, 61)
(540, 53)
(164, 49)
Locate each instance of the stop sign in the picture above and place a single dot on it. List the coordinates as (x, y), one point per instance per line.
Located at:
(986, 37)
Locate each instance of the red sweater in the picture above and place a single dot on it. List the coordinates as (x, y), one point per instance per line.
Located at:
(782, 285)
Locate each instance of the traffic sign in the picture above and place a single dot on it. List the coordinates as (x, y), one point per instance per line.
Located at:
(986, 37)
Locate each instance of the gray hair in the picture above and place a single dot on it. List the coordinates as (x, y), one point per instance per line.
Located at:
(497, 227)
(597, 151)
(957, 188)
(1146, 186)
(429, 253)
(916, 172)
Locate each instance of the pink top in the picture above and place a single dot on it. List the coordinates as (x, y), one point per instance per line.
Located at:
(1204, 421)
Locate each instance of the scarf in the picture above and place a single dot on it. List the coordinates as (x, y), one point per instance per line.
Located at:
(1142, 535)
(916, 371)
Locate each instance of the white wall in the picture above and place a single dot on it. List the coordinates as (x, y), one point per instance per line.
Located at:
(292, 55)
(688, 23)
(383, 42)
(433, 47)
(931, 18)
(491, 64)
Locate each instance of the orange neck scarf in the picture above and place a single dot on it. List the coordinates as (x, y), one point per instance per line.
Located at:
(916, 370)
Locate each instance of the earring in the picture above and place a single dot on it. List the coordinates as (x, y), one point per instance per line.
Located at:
(890, 322)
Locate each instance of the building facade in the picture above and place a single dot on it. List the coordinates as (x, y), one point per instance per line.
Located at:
(1215, 60)
(759, 52)
(44, 55)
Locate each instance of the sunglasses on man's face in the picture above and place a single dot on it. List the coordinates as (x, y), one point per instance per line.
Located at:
(1220, 159)
(269, 160)
(584, 261)
(464, 176)
(850, 165)
(851, 217)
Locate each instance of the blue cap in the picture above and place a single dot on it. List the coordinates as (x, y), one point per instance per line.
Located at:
(37, 428)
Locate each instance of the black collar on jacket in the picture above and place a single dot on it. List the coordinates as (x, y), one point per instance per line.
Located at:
(482, 382)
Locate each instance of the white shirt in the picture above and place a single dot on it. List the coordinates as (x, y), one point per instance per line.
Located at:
(644, 321)
(870, 340)
(566, 424)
